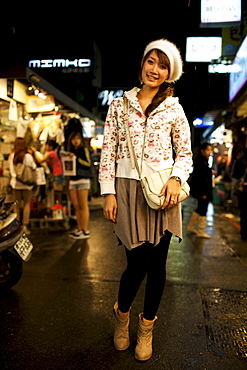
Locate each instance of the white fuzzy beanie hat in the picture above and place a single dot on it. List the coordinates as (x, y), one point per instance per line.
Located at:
(173, 54)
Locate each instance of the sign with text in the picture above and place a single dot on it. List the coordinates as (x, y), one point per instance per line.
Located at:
(106, 96)
(36, 104)
(220, 13)
(203, 49)
(67, 65)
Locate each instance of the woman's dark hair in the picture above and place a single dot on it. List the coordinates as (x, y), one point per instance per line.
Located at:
(165, 89)
(201, 146)
(52, 143)
(71, 147)
(20, 149)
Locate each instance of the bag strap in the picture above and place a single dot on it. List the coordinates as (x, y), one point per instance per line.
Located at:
(133, 159)
(129, 142)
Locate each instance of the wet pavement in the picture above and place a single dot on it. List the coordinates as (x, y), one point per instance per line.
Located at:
(59, 316)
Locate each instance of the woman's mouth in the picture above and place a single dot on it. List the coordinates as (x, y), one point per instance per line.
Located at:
(151, 77)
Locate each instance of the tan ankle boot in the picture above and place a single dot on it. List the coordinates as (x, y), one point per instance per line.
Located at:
(144, 348)
(192, 223)
(121, 334)
(202, 223)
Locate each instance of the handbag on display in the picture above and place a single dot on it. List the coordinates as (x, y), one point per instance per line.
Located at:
(40, 176)
(25, 174)
(153, 183)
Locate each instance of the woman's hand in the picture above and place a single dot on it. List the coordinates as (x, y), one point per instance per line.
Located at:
(171, 191)
(110, 207)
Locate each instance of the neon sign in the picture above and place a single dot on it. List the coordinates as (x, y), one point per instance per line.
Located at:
(107, 96)
(58, 63)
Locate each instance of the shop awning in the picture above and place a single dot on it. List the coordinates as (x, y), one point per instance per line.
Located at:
(24, 73)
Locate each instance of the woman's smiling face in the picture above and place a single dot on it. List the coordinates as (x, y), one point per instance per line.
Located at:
(154, 72)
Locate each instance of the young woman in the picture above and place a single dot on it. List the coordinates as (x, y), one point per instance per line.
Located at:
(21, 192)
(201, 189)
(52, 158)
(79, 185)
(145, 233)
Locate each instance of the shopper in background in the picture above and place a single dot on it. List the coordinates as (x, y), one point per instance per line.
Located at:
(52, 158)
(156, 115)
(22, 193)
(79, 185)
(223, 172)
(201, 189)
(239, 171)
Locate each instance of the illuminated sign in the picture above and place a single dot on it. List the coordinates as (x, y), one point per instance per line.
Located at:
(108, 95)
(238, 79)
(35, 104)
(220, 13)
(224, 68)
(199, 122)
(58, 63)
(203, 49)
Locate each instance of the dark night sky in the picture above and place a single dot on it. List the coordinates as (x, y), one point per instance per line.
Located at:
(121, 30)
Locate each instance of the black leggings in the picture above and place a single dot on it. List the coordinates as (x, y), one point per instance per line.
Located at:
(141, 261)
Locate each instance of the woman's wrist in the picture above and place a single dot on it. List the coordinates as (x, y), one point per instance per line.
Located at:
(176, 178)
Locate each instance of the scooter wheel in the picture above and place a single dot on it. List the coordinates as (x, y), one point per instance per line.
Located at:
(10, 270)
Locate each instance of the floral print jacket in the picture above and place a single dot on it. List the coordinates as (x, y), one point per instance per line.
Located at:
(166, 129)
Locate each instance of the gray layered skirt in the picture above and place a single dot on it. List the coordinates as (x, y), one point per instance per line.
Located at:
(137, 222)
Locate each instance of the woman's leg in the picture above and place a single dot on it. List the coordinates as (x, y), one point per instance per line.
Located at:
(132, 277)
(202, 221)
(79, 199)
(27, 195)
(156, 276)
(82, 196)
(75, 202)
(202, 207)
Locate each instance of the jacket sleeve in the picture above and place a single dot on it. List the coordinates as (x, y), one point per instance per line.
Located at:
(108, 158)
(11, 165)
(182, 146)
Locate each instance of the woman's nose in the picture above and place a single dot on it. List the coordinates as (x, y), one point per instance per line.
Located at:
(154, 68)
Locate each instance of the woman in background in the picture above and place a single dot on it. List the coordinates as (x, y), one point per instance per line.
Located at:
(52, 158)
(21, 191)
(79, 185)
(201, 188)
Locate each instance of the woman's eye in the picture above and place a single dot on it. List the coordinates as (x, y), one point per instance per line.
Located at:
(163, 66)
(150, 61)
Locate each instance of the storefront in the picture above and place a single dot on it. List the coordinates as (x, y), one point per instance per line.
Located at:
(228, 132)
(32, 108)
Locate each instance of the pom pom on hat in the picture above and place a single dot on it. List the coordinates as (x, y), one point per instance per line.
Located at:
(173, 54)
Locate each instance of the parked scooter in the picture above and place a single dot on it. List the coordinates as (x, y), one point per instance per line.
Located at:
(15, 246)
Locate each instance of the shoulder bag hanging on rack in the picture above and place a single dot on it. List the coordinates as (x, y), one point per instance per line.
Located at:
(153, 183)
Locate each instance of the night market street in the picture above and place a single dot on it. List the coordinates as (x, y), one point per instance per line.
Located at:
(59, 316)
